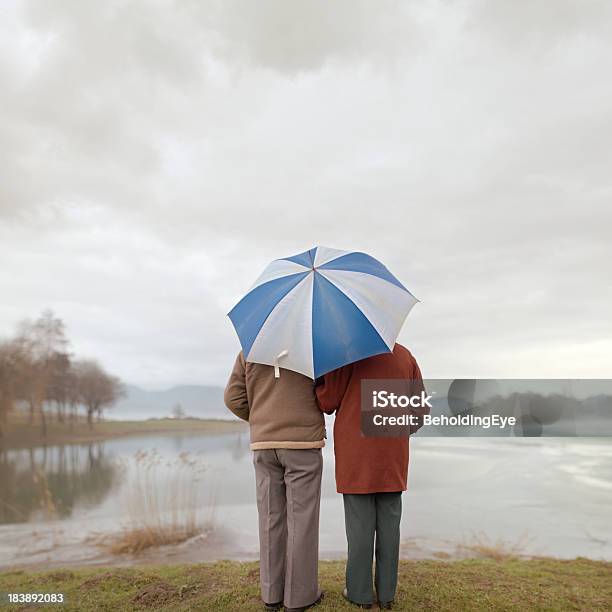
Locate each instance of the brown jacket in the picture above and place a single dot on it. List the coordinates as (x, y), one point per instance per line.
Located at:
(367, 464)
(282, 412)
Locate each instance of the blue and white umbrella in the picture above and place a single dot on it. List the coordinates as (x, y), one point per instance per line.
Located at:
(319, 310)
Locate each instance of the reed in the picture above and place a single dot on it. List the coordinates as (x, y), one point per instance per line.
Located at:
(498, 549)
(163, 503)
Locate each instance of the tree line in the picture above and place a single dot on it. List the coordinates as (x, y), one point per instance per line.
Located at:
(38, 374)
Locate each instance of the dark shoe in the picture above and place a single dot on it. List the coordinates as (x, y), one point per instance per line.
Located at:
(312, 605)
(273, 607)
(359, 605)
(385, 605)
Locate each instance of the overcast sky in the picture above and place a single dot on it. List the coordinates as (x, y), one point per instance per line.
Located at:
(156, 155)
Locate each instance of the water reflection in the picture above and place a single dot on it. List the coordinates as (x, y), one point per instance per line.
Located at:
(50, 482)
(501, 487)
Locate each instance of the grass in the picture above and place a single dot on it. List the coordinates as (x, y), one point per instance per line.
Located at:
(19, 434)
(476, 584)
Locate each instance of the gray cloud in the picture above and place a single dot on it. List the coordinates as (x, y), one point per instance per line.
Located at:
(300, 37)
(156, 155)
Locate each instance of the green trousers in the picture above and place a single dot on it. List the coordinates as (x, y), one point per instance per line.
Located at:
(372, 517)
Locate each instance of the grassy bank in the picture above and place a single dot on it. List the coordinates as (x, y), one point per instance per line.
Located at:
(540, 584)
(20, 434)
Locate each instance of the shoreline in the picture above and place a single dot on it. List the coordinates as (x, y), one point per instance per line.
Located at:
(213, 545)
(475, 584)
(20, 435)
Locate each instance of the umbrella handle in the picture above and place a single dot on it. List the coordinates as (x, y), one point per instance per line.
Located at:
(276, 368)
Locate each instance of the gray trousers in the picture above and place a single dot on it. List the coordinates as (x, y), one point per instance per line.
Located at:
(370, 516)
(288, 499)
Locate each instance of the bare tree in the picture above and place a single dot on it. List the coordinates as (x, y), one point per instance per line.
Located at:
(97, 389)
(178, 412)
(58, 387)
(73, 395)
(11, 361)
(41, 341)
(36, 369)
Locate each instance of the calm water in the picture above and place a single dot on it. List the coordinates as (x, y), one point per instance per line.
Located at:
(545, 496)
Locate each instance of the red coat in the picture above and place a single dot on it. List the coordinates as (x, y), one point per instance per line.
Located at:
(366, 464)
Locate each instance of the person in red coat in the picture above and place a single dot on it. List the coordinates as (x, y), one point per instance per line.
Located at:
(371, 473)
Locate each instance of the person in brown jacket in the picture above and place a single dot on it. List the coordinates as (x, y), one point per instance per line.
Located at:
(371, 473)
(287, 434)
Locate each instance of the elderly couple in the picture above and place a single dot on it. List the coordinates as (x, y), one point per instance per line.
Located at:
(287, 426)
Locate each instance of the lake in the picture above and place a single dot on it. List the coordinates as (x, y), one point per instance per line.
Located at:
(547, 496)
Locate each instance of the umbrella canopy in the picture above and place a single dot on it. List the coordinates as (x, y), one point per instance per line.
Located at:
(319, 310)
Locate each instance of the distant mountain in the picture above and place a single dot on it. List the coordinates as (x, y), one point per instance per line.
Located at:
(204, 402)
